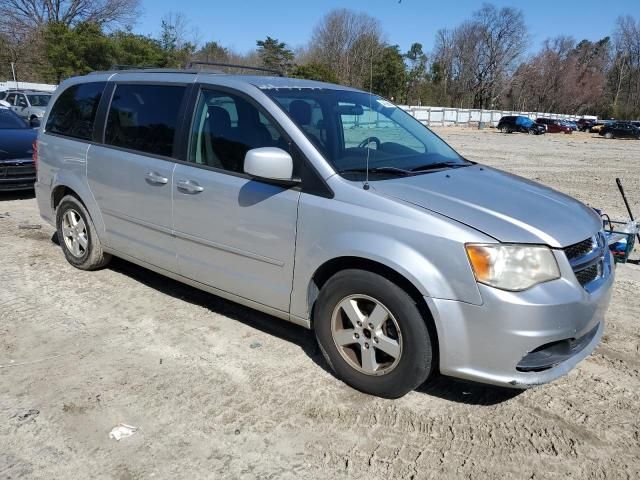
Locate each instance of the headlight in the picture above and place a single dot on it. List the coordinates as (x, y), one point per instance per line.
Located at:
(512, 267)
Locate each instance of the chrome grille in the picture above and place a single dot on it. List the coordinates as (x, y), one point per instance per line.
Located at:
(586, 259)
(587, 275)
(580, 249)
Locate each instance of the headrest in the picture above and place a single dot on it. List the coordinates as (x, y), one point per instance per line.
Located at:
(219, 120)
(300, 111)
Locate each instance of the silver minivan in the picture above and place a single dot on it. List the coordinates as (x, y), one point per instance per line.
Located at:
(331, 208)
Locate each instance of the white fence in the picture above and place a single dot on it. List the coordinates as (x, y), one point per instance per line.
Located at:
(44, 87)
(465, 117)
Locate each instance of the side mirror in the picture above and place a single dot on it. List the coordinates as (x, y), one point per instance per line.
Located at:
(269, 163)
(34, 122)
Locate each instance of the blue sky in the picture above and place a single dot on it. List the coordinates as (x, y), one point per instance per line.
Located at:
(238, 24)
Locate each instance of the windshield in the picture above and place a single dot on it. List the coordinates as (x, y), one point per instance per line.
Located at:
(8, 119)
(347, 127)
(39, 100)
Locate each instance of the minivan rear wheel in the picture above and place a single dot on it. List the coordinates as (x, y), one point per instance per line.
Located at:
(372, 334)
(77, 236)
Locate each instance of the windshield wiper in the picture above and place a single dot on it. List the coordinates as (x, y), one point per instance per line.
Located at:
(390, 170)
(439, 165)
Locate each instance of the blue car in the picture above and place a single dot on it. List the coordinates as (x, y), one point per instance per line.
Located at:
(17, 168)
(519, 123)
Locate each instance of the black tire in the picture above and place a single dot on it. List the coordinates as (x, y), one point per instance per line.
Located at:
(90, 258)
(415, 361)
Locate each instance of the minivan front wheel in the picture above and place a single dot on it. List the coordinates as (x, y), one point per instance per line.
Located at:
(372, 334)
(77, 236)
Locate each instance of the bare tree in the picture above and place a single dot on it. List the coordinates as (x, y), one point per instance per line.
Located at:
(476, 60)
(625, 72)
(34, 14)
(346, 42)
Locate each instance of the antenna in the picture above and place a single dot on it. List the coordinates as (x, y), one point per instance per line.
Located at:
(366, 177)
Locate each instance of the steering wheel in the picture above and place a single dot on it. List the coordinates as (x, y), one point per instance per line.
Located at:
(368, 140)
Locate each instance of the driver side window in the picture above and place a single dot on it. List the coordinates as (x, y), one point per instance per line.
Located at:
(225, 128)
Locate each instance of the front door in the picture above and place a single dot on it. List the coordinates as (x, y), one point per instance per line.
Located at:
(232, 232)
(130, 176)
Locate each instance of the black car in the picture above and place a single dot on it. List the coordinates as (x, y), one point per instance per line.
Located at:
(17, 169)
(620, 130)
(584, 124)
(519, 123)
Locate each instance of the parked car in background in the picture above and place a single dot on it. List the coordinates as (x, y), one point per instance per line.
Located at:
(28, 104)
(3, 102)
(585, 124)
(17, 169)
(519, 123)
(635, 123)
(572, 125)
(620, 130)
(599, 125)
(554, 126)
(277, 193)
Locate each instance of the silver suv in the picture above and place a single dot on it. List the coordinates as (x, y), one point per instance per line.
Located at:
(333, 209)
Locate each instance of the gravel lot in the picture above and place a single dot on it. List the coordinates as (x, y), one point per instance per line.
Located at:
(220, 391)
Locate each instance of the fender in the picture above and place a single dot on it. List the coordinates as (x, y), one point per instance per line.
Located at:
(400, 257)
(73, 181)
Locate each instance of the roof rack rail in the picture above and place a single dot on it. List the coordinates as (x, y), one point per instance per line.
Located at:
(233, 65)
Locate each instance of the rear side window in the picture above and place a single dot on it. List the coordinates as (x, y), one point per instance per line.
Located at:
(144, 117)
(74, 112)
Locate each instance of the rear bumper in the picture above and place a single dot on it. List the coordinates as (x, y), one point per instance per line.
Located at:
(43, 198)
(492, 342)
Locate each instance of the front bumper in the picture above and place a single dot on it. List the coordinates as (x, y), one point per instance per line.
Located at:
(488, 342)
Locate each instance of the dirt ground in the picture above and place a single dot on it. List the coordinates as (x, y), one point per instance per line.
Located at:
(219, 391)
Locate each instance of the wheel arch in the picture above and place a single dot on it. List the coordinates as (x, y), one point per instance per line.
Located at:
(328, 269)
(69, 185)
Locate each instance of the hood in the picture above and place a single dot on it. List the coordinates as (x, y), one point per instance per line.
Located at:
(37, 111)
(16, 143)
(506, 207)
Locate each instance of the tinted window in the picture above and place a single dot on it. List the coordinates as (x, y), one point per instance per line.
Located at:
(144, 117)
(8, 119)
(74, 112)
(225, 127)
(11, 98)
(21, 101)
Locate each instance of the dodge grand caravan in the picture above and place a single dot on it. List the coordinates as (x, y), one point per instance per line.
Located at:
(333, 209)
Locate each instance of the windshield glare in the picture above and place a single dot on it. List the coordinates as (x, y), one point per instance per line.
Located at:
(39, 100)
(348, 126)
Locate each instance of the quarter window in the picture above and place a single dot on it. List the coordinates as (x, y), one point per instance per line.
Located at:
(144, 117)
(74, 112)
(225, 128)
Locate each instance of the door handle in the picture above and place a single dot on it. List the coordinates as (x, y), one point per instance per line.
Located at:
(189, 186)
(156, 178)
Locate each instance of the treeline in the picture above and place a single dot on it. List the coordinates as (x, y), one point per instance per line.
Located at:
(485, 62)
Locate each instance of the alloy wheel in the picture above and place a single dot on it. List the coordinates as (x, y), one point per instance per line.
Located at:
(366, 334)
(74, 232)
